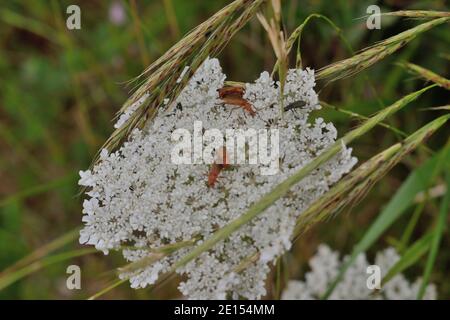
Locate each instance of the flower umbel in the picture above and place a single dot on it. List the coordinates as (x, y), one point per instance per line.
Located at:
(141, 200)
(325, 267)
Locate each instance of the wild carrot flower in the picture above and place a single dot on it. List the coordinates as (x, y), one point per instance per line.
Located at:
(140, 200)
(325, 267)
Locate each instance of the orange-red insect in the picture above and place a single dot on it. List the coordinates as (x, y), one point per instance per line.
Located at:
(216, 168)
(231, 91)
(234, 96)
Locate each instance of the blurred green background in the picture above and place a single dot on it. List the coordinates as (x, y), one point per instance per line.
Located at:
(60, 90)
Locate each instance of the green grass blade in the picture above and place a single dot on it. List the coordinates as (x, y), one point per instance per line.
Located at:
(38, 189)
(113, 285)
(37, 265)
(407, 234)
(41, 252)
(296, 35)
(409, 257)
(439, 230)
(28, 23)
(362, 117)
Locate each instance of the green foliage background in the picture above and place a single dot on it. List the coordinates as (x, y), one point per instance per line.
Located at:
(60, 89)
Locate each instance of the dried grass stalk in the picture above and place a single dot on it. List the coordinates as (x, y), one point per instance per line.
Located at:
(375, 53)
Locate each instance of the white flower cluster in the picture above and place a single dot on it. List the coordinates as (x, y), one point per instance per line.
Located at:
(140, 200)
(353, 286)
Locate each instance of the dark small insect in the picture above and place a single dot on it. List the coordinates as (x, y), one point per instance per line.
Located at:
(178, 108)
(295, 105)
